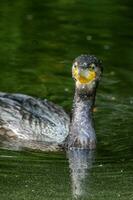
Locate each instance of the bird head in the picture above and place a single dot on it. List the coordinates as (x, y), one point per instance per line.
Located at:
(86, 71)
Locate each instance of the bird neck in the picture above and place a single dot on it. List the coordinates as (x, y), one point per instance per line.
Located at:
(82, 133)
(82, 107)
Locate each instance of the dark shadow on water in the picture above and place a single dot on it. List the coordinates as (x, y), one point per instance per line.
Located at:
(80, 164)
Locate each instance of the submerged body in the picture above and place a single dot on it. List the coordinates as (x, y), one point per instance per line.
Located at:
(38, 124)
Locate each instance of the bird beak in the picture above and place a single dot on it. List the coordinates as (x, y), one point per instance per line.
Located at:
(84, 76)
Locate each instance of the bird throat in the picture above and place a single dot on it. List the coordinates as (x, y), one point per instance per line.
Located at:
(82, 133)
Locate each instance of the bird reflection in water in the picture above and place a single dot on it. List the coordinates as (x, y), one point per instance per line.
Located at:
(80, 164)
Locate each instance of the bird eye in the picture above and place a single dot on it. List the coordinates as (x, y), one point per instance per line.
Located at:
(92, 66)
(75, 65)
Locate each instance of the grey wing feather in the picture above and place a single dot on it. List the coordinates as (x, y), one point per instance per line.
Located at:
(33, 119)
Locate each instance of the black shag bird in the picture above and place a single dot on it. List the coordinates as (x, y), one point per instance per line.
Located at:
(39, 124)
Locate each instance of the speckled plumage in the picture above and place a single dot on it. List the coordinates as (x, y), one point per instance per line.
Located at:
(28, 120)
(85, 60)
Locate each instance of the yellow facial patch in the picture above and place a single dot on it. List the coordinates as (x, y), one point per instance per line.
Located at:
(84, 77)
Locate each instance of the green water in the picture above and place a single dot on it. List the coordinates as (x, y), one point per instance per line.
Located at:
(39, 40)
